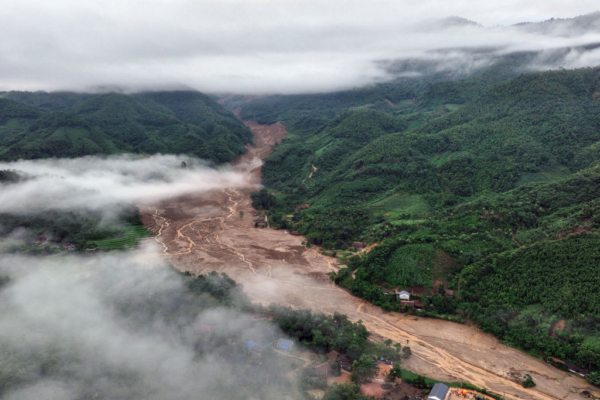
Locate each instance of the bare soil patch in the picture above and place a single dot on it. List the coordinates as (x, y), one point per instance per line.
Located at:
(573, 232)
(558, 325)
(373, 389)
(343, 378)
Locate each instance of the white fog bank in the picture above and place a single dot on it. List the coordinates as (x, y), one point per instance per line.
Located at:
(103, 183)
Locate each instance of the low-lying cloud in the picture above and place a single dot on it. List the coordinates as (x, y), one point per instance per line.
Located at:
(263, 46)
(121, 326)
(104, 183)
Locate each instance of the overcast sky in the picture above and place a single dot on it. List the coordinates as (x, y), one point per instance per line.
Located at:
(249, 46)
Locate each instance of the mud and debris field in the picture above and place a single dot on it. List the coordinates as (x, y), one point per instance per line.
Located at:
(205, 233)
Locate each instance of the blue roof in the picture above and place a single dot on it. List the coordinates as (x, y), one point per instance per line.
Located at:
(438, 391)
(250, 344)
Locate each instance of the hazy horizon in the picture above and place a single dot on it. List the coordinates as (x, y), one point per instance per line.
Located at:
(261, 46)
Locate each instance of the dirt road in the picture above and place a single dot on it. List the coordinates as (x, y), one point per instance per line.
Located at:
(205, 233)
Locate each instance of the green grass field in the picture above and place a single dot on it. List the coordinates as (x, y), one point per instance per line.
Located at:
(398, 204)
(407, 222)
(130, 238)
(452, 107)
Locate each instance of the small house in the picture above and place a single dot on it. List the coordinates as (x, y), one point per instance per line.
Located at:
(333, 356)
(302, 207)
(438, 392)
(407, 303)
(359, 245)
(418, 304)
(403, 295)
(346, 364)
(295, 233)
(285, 344)
(324, 370)
(449, 293)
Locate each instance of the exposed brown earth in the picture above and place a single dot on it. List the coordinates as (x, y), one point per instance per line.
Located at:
(558, 325)
(573, 232)
(205, 233)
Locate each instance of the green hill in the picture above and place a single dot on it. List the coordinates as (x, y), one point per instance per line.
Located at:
(62, 124)
(528, 129)
(496, 198)
(326, 149)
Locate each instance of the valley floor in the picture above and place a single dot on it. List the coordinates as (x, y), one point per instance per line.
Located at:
(206, 233)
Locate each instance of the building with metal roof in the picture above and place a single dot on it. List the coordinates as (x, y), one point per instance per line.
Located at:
(438, 392)
(403, 295)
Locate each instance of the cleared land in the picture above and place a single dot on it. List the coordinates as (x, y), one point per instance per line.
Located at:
(205, 233)
(129, 238)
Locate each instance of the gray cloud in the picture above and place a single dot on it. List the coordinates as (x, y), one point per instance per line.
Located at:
(103, 183)
(118, 327)
(256, 45)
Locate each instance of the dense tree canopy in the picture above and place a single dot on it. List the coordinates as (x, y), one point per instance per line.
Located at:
(487, 186)
(62, 124)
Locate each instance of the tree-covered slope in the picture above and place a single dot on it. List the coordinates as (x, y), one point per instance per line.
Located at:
(56, 134)
(62, 124)
(497, 200)
(531, 128)
(320, 154)
(304, 112)
(518, 262)
(48, 101)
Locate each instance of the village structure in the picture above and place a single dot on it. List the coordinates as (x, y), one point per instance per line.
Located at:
(438, 392)
(285, 344)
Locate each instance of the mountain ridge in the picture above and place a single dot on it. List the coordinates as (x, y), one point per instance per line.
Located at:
(80, 124)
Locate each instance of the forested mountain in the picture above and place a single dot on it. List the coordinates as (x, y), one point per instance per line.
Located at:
(532, 127)
(565, 27)
(495, 198)
(61, 124)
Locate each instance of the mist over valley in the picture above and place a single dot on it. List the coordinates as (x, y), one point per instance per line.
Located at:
(271, 199)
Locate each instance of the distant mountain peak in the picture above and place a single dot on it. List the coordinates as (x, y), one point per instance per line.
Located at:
(453, 21)
(564, 27)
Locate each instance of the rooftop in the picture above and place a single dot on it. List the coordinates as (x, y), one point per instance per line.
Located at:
(438, 391)
(285, 342)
